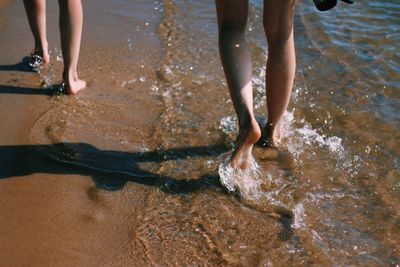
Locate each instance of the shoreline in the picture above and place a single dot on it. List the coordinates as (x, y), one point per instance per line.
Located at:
(57, 213)
(126, 172)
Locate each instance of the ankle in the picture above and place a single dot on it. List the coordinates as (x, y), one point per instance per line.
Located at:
(45, 48)
(70, 77)
(250, 132)
(42, 48)
(272, 133)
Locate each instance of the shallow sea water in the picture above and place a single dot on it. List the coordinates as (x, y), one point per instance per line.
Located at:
(156, 120)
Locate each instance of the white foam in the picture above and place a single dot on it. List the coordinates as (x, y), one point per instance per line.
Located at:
(305, 138)
(244, 182)
(299, 216)
(334, 144)
(228, 124)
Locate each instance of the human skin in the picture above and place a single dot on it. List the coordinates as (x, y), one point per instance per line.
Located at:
(70, 23)
(36, 13)
(280, 70)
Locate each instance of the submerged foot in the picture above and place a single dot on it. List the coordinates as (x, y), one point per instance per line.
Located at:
(242, 154)
(271, 136)
(73, 87)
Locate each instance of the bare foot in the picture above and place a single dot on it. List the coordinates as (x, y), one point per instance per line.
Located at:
(73, 87)
(271, 135)
(242, 154)
(46, 58)
(44, 53)
(39, 58)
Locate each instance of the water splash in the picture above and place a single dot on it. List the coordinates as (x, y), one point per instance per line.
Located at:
(299, 216)
(48, 73)
(297, 140)
(260, 189)
(304, 141)
(245, 183)
(228, 124)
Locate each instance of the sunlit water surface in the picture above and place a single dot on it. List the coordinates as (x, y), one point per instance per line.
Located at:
(170, 118)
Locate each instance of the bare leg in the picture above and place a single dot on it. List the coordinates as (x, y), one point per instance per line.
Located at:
(235, 57)
(71, 20)
(36, 13)
(281, 64)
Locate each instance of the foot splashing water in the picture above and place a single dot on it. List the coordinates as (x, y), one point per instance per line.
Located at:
(243, 182)
(318, 189)
(273, 183)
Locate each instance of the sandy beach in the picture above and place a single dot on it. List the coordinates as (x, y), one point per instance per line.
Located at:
(126, 172)
(57, 213)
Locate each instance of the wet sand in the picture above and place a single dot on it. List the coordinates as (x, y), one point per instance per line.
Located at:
(126, 173)
(58, 212)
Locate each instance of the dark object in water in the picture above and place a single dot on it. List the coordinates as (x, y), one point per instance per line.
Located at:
(324, 5)
(35, 60)
(57, 89)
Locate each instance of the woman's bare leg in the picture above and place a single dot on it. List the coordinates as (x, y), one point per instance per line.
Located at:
(235, 57)
(36, 13)
(71, 21)
(281, 64)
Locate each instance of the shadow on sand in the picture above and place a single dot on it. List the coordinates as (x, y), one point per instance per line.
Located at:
(57, 89)
(111, 170)
(20, 66)
(24, 66)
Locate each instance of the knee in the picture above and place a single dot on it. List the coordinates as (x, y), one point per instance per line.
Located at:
(231, 27)
(231, 32)
(279, 35)
(279, 27)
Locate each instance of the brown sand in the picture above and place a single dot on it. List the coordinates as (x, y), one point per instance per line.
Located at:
(63, 210)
